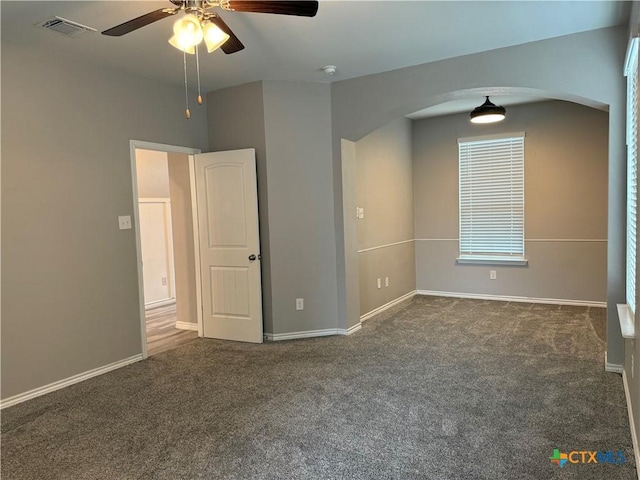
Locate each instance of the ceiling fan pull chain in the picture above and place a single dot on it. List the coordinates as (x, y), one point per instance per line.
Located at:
(198, 70)
(186, 90)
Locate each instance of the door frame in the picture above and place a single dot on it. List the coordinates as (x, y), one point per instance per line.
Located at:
(160, 147)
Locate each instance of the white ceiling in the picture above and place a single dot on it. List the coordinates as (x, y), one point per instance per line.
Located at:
(360, 37)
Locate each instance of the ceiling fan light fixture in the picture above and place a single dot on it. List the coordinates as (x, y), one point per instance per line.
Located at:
(488, 113)
(214, 37)
(175, 41)
(187, 33)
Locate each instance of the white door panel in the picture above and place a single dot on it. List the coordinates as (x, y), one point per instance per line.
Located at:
(229, 245)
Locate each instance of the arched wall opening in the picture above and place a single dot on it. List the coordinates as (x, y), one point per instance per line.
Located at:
(406, 194)
(586, 69)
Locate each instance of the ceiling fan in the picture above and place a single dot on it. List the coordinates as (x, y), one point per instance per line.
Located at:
(201, 24)
(201, 9)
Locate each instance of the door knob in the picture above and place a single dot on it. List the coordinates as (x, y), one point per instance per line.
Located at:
(252, 257)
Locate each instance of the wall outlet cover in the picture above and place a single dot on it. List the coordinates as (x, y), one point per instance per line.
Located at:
(124, 222)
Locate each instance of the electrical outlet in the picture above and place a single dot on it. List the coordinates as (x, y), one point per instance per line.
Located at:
(492, 274)
(386, 281)
(379, 284)
(124, 222)
(299, 303)
(164, 280)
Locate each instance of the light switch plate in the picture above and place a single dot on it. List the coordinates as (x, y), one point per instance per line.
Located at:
(124, 222)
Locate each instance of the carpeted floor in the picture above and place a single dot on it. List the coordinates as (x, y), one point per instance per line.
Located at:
(435, 389)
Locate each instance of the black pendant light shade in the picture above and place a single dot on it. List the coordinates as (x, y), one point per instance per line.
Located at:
(488, 113)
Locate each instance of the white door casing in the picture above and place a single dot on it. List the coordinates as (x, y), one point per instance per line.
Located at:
(227, 202)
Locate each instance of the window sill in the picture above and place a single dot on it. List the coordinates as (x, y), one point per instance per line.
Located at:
(626, 321)
(479, 260)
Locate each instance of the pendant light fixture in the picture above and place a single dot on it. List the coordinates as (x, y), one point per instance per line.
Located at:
(488, 113)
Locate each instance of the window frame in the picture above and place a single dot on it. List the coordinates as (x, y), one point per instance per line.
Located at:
(626, 312)
(513, 257)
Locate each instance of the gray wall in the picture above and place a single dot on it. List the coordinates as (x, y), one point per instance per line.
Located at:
(302, 247)
(584, 67)
(289, 125)
(565, 204)
(70, 288)
(384, 188)
(184, 262)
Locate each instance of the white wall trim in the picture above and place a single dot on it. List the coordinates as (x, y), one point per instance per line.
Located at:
(560, 240)
(437, 239)
(626, 319)
(387, 306)
(385, 246)
(632, 425)
(312, 333)
(196, 242)
(52, 387)
(612, 367)
(187, 326)
(306, 334)
(503, 298)
(351, 329)
(159, 303)
(549, 240)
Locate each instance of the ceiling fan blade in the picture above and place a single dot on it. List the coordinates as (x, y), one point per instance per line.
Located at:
(140, 22)
(302, 8)
(232, 45)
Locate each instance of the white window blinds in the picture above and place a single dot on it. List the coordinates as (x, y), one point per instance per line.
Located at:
(491, 171)
(632, 172)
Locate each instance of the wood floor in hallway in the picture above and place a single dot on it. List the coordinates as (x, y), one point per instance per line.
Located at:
(162, 333)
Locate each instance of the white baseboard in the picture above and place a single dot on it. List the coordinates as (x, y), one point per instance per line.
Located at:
(352, 329)
(187, 326)
(312, 333)
(612, 367)
(387, 306)
(503, 298)
(634, 434)
(52, 387)
(161, 303)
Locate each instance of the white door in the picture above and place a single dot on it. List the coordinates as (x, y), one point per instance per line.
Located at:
(227, 200)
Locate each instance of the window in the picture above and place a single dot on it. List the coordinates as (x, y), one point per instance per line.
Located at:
(632, 171)
(491, 196)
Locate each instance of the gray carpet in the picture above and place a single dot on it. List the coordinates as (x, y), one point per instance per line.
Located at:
(435, 389)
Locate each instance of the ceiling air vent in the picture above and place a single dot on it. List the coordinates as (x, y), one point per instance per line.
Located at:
(64, 26)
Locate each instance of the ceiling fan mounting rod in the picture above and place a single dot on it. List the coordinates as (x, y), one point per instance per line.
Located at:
(199, 7)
